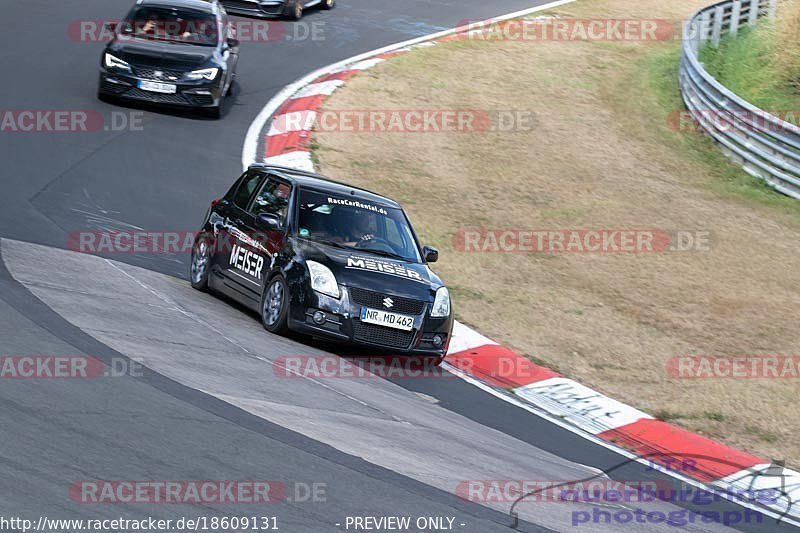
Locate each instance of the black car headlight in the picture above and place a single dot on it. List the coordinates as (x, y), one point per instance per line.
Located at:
(203, 74)
(113, 62)
(322, 279)
(441, 305)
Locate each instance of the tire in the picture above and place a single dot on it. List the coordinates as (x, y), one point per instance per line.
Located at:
(328, 4)
(295, 10)
(275, 306)
(202, 253)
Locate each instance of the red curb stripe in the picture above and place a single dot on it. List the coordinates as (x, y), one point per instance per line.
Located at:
(343, 76)
(284, 143)
(499, 366)
(709, 460)
(308, 103)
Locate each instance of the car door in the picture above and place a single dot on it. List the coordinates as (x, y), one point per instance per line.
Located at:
(231, 227)
(253, 245)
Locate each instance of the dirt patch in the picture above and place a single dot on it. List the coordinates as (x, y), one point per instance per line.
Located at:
(601, 155)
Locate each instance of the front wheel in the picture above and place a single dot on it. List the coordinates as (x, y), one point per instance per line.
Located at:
(201, 262)
(295, 11)
(275, 306)
(328, 4)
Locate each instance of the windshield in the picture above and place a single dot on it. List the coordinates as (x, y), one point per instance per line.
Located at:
(352, 223)
(171, 24)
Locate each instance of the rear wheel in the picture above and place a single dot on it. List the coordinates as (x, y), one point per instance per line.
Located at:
(201, 262)
(275, 306)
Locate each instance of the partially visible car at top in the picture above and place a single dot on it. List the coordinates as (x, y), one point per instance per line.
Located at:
(324, 259)
(275, 8)
(173, 52)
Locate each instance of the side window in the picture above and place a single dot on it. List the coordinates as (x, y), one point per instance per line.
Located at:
(246, 189)
(273, 199)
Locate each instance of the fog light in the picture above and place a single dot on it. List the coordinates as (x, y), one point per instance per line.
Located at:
(319, 317)
(437, 340)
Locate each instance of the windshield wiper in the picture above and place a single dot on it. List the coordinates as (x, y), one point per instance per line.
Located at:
(383, 253)
(333, 243)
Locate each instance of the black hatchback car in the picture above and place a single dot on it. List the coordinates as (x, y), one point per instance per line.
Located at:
(325, 259)
(173, 52)
(275, 8)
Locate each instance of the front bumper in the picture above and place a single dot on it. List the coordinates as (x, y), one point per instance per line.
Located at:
(199, 93)
(342, 322)
(266, 9)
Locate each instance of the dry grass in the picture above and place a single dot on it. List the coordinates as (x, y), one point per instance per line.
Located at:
(601, 156)
(787, 58)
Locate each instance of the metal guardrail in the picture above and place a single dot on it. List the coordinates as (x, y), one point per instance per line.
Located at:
(766, 146)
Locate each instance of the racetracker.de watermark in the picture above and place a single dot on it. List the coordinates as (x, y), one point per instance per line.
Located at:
(195, 492)
(734, 367)
(244, 30)
(335, 367)
(429, 121)
(565, 241)
(66, 367)
(542, 29)
(727, 121)
(69, 121)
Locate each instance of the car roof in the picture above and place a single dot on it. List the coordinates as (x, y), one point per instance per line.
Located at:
(310, 180)
(209, 6)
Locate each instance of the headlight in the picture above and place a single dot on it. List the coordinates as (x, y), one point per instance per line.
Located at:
(441, 305)
(115, 62)
(204, 74)
(322, 279)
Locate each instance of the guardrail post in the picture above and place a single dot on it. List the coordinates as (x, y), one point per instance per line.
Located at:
(772, 10)
(753, 15)
(736, 15)
(716, 33)
(705, 22)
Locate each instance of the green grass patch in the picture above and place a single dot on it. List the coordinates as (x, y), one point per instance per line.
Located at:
(748, 65)
(660, 72)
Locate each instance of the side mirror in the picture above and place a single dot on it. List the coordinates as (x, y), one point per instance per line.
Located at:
(111, 26)
(430, 253)
(232, 42)
(268, 222)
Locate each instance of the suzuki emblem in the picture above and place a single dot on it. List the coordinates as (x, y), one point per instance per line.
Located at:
(388, 303)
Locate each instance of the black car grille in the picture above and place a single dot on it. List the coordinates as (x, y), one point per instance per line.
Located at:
(252, 7)
(382, 336)
(113, 88)
(161, 98)
(375, 300)
(200, 99)
(150, 74)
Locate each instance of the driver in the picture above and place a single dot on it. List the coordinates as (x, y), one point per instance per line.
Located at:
(361, 227)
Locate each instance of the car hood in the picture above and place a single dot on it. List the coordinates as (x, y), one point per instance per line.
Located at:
(355, 268)
(163, 55)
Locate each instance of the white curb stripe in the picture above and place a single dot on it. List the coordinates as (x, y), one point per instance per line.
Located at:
(299, 159)
(768, 482)
(580, 405)
(466, 338)
(295, 121)
(325, 88)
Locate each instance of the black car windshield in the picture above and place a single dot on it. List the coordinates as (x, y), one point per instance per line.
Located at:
(171, 24)
(348, 222)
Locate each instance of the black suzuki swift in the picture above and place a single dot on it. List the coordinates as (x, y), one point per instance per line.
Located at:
(325, 259)
(172, 52)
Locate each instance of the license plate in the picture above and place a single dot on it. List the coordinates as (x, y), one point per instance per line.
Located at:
(385, 318)
(158, 87)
